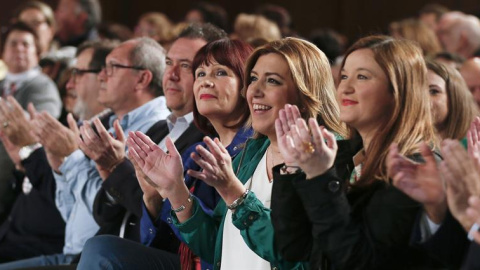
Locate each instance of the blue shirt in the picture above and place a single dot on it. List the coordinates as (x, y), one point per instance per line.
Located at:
(206, 195)
(79, 183)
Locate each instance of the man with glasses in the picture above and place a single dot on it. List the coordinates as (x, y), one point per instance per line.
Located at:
(132, 93)
(22, 235)
(90, 60)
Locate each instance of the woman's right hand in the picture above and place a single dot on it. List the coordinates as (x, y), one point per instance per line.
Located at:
(420, 181)
(151, 198)
(163, 171)
(311, 147)
(461, 174)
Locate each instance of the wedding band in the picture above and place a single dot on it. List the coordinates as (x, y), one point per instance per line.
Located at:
(308, 147)
(5, 124)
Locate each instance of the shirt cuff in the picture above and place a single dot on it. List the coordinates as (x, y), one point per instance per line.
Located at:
(427, 227)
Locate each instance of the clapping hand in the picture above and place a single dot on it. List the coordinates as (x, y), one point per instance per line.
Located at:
(14, 122)
(165, 170)
(311, 147)
(420, 181)
(473, 140)
(462, 176)
(101, 146)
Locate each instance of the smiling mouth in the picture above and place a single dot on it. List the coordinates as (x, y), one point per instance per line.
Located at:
(260, 108)
(347, 102)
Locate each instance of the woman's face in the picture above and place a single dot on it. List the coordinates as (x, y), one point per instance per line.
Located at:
(271, 87)
(145, 29)
(363, 93)
(216, 90)
(438, 98)
(37, 21)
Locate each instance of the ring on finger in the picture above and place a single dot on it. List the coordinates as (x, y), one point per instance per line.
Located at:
(308, 148)
(5, 124)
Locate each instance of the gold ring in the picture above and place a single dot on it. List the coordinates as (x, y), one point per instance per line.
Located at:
(308, 148)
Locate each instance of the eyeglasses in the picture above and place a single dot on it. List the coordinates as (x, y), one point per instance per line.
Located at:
(77, 72)
(109, 68)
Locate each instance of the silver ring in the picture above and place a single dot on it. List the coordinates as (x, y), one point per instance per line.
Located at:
(5, 124)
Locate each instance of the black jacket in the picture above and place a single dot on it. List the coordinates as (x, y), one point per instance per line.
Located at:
(122, 185)
(337, 226)
(34, 226)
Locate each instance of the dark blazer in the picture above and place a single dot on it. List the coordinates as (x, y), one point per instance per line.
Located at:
(43, 93)
(473, 257)
(122, 185)
(34, 226)
(337, 226)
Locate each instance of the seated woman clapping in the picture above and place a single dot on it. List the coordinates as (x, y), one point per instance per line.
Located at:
(239, 234)
(341, 210)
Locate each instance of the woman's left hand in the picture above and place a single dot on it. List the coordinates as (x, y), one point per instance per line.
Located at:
(216, 165)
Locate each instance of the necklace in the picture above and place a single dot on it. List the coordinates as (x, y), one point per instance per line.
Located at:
(270, 163)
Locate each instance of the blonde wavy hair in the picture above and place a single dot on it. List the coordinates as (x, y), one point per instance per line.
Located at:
(311, 75)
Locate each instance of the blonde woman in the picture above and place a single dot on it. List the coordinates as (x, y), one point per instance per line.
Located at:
(239, 234)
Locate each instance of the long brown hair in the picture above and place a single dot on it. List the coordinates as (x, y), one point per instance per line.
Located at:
(311, 75)
(462, 108)
(410, 121)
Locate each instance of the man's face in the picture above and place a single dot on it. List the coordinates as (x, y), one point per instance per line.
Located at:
(178, 76)
(470, 71)
(20, 53)
(69, 19)
(448, 37)
(84, 83)
(117, 90)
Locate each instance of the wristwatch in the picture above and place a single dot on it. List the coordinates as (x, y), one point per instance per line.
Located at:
(27, 150)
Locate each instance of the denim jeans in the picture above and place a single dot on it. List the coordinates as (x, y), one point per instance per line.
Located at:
(46, 260)
(112, 252)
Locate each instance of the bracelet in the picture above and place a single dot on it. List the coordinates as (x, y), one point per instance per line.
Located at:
(284, 169)
(474, 228)
(238, 201)
(183, 207)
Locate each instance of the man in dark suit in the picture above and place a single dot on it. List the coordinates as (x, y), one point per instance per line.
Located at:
(26, 83)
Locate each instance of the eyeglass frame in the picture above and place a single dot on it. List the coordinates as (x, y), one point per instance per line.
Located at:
(112, 66)
(76, 72)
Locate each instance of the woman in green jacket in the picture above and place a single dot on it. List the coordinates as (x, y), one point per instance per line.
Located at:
(239, 233)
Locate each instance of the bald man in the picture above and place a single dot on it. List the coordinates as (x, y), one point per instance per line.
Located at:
(470, 71)
(459, 33)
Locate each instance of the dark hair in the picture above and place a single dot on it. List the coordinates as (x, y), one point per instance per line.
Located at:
(450, 57)
(205, 31)
(100, 51)
(327, 40)
(45, 9)
(436, 9)
(21, 27)
(94, 12)
(230, 53)
(213, 13)
(278, 15)
(114, 31)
